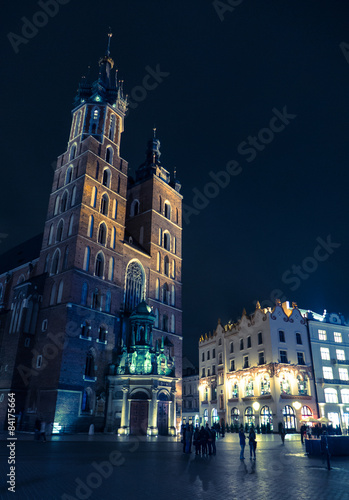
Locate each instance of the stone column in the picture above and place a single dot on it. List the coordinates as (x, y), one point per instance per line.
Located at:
(125, 421)
(153, 414)
(172, 414)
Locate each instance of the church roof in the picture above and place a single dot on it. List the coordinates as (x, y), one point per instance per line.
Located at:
(21, 254)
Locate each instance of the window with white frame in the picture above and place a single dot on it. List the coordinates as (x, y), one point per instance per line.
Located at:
(325, 353)
(281, 336)
(331, 395)
(327, 372)
(337, 336)
(322, 334)
(343, 373)
(340, 355)
(345, 396)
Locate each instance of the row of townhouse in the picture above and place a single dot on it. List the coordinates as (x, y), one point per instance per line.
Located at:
(275, 367)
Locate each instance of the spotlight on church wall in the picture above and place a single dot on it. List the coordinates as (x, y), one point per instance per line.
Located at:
(296, 405)
(256, 406)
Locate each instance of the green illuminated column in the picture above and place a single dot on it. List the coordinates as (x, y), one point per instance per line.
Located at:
(125, 426)
(172, 414)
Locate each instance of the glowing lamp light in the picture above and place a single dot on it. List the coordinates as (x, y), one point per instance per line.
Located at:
(56, 428)
(296, 405)
(256, 406)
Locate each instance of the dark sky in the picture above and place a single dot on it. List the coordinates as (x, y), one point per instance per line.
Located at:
(225, 81)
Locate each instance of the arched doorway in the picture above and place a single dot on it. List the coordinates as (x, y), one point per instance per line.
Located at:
(205, 417)
(306, 412)
(214, 416)
(267, 418)
(139, 413)
(289, 418)
(163, 410)
(235, 417)
(249, 416)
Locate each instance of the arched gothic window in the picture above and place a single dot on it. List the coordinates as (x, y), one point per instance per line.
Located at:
(90, 365)
(134, 208)
(65, 259)
(102, 234)
(166, 266)
(167, 240)
(59, 232)
(104, 204)
(109, 155)
(165, 323)
(73, 197)
(165, 294)
(111, 269)
(90, 226)
(157, 289)
(55, 262)
(77, 123)
(135, 285)
(106, 177)
(64, 201)
(167, 210)
(70, 229)
(173, 296)
(69, 175)
(60, 292)
(94, 197)
(158, 262)
(99, 267)
(112, 128)
(56, 205)
(72, 152)
(53, 294)
(87, 259)
(50, 235)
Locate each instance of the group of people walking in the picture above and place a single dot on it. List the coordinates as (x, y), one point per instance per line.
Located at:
(203, 439)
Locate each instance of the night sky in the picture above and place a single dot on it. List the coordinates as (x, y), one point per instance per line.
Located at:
(226, 72)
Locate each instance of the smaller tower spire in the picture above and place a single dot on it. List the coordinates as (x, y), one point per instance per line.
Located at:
(110, 34)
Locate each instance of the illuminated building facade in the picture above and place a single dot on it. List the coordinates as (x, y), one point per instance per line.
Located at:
(258, 371)
(190, 391)
(110, 242)
(329, 338)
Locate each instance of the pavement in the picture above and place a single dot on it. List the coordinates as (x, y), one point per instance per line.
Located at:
(104, 467)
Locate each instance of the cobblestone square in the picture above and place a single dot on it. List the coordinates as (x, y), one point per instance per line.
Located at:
(107, 467)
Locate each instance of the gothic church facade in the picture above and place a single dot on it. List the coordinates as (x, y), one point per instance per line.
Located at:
(110, 242)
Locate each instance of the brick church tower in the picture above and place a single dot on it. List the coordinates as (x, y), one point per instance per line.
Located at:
(109, 243)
